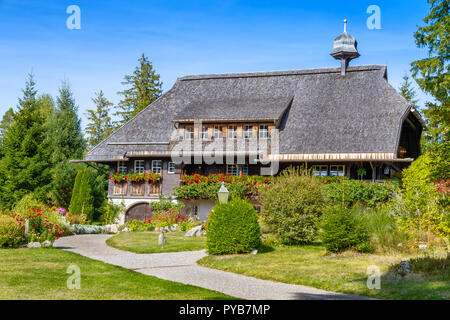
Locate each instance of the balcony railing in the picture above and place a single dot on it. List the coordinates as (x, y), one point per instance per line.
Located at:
(137, 189)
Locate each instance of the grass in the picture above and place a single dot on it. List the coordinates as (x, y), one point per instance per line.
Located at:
(147, 242)
(308, 265)
(41, 274)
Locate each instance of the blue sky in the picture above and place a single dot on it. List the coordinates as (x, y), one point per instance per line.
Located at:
(191, 37)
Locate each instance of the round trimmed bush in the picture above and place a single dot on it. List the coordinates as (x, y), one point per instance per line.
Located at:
(11, 232)
(233, 228)
(342, 229)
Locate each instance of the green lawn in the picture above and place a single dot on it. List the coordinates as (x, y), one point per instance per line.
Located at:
(41, 274)
(147, 242)
(346, 273)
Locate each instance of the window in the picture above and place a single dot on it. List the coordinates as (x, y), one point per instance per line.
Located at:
(218, 132)
(122, 167)
(204, 133)
(189, 133)
(337, 171)
(139, 166)
(263, 131)
(171, 168)
(157, 166)
(248, 132)
(195, 211)
(320, 171)
(232, 132)
(236, 170)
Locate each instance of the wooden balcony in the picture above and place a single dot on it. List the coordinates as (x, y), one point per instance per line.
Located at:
(137, 189)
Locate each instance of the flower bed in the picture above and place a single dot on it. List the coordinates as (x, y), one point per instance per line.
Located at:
(150, 177)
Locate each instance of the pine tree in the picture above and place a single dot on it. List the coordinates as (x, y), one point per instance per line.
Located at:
(99, 126)
(75, 206)
(432, 74)
(86, 195)
(144, 88)
(67, 143)
(407, 91)
(25, 164)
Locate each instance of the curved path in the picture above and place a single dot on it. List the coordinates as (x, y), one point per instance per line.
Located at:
(182, 267)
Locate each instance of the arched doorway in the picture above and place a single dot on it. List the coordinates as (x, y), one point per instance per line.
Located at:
(140, 211)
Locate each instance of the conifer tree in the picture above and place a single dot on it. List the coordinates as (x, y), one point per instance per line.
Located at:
(67, 143)
(144, 88)
(86, 195)
(75, 206)
(25, 165)
(99, 126)
(407, 91)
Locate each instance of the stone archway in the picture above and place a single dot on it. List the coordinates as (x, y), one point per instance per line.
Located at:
(139, 211)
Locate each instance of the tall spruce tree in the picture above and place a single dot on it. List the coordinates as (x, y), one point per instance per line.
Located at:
(99, 126)
(407, 91)
(25, 164)
(67, 143)
(144, 88)
(432, 74)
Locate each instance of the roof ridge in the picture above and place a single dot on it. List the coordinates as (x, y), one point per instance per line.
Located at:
(280, 73)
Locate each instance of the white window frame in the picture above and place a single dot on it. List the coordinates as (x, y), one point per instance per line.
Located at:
(158, 168)
(218, 134)
(139, 166)
(248, 131)
(318, 170)
(171, 168)
(189, 133)
(122, 167)
(232, 132)
(263, 131)
(339, 173)
(204, 134)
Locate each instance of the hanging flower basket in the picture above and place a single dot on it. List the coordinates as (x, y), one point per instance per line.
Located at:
(401, 152)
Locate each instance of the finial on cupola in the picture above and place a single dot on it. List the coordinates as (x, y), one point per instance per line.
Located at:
(344, 49)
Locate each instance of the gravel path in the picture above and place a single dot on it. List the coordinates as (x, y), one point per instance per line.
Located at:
(182, 267)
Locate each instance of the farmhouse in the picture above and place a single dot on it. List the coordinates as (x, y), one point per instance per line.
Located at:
(335, 120)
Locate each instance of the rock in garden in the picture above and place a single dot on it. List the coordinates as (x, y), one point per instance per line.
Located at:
(193, 231)
(254, 251)
(404, 268)
(174, 227)
(34, 245)
(47, 243)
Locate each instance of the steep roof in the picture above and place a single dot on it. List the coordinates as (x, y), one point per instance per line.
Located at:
(319, 111)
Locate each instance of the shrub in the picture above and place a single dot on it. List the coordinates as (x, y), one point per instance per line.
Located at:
(165, 204)
(136, 225)
(292, 207)
(82, 201)
(385, 233)
(342, 229)
(111, 212)
(28, 201)
(354, 191)
(11, 232)
(233, 228)
(422, 208)
(188, 224)
(87, 229)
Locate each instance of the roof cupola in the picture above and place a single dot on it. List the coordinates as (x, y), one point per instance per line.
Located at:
(345, 49)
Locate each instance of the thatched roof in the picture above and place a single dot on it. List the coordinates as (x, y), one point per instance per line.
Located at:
(318, 111)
